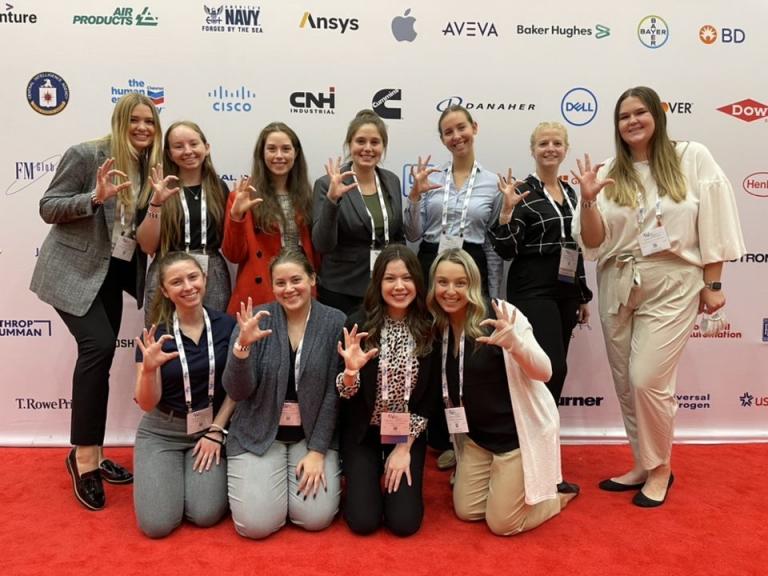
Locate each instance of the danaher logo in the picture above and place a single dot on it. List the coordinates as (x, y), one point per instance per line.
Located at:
(498, 106)
(757, 184)
(382, 103)
(47, 93)
(579, 106)
(747, 110)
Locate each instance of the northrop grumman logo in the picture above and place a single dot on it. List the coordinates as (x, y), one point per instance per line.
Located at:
(32, 328)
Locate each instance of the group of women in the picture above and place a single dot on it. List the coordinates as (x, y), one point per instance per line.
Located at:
(338, 347)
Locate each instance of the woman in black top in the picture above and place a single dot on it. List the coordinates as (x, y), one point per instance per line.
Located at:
(504, 421)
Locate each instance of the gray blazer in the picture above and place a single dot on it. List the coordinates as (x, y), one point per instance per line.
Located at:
(258, 384)
(74, 258)
(341, 233)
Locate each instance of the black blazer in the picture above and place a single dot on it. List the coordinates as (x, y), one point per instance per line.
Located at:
(341, 233)
(355, 413)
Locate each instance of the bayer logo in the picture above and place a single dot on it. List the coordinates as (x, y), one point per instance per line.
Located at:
(579, 106)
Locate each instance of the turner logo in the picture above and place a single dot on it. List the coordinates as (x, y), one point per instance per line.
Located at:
(579, 106)
(382, 103)
(230, 18)
(470, 29)
(32, 328)
(47, 93)
(329, 23)
(747, 110)
(677, 107)
(708, 35)
(314, 102)
(29, 172)
(756, 184)
(581, 400)
(10, 17)
(653, 31)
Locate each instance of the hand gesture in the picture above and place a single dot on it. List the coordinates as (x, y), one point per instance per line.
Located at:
(337, 188)
(152, 349)
(243, 201)
(587, 179)
(249, 324)
(503, 327)
(508, 187)
(353, 354)
(398, 463)
(161, 185)
(105, 186)
(206, 452)
(310, 472)
(420, 177)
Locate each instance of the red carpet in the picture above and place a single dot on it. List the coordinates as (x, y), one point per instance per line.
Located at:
(714, 523)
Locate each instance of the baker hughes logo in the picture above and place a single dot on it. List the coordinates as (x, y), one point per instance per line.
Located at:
(231, 100)
(569, 32)
(308, 21)
(11, 17)
(747, 110)
(653, 31)
(313, 102)
(154, 93)
(29, 172)
(480, 105)
(119, 17)
(47, 93)
(25, 328)
(756, 184)
(749, 400)
(382, 103)
(230, 18)
(579, 106)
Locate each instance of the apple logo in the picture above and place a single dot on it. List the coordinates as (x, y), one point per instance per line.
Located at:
(402, 27)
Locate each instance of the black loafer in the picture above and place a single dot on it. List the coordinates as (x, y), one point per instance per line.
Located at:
(88, 487)
(643, 501)
(568, 488)
(114, 473)
(611, 486)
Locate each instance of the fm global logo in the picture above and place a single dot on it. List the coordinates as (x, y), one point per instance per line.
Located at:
(747, 110)
(402, 27)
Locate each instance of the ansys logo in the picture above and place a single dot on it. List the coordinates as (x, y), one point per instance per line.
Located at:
(120, 17)
(329, 23)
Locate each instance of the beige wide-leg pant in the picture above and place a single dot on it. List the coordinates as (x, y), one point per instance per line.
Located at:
(648, 307)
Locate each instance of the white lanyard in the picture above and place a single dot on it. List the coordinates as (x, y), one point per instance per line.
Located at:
(555, 206)
(203, 221)
(446, 191)
(384, 214)
(122, 220)
(185, 366)
(297, 361)
(641, 209)
(446, 396)
(384, 367)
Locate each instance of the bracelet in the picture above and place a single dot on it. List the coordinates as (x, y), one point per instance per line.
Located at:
(588, 203)
(95, 199)
(155, 205)
(154, 214)
(240, 347)
(212, 439)
(217, 428)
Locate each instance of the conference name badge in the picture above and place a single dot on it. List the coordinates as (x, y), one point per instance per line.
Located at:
(654, 240)
(199, 420)
(395, 427)
(569, 259)
(374, 256)
(448, 241)
(124, 248)
(290, 415)
(457, 420)
(202, 259)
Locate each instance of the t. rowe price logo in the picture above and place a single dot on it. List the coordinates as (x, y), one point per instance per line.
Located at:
(747, 110)
(230, 18)
(708, 35)
(329, 23)
(677, 107)
(382, 103)
(231, 100)
(314, 102)
(35, 404)
(9, 17)
(470, 29)
(29, 172)
(154, 93)
(756, 184)
(403, 27)
(579, 106)
(653, 31)
(33, 328)
(490, 106)
(120, 17)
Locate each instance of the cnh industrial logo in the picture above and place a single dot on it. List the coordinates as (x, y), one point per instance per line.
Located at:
(134, 85)
(653, 31)
(11, 17)
(232, 18)
(484, 105)
(121, 16)
(47, 93)
(313, 102)
(470, 29)
(27, 172)
(747, 110)
(383, 103)
(709, 35)
(756, 184)
(225, 100)
(403, 27)
(25, 328)
(336, 23)
(569, 32)
(579, 106)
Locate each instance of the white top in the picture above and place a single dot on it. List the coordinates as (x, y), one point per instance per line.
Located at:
(702, 229)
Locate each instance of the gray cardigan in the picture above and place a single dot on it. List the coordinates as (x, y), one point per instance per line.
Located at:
(258, 383)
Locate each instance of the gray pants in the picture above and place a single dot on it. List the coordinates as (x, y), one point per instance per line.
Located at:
(263, 491)
(166, 489)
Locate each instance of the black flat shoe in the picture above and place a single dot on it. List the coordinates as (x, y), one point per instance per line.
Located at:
(568, 488)
(643, 501)
(611, 486)
(114, 473)
(88, 487)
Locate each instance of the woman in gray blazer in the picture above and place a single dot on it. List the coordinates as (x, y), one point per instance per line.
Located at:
(86, 262)
(281, 452)
(357, 212)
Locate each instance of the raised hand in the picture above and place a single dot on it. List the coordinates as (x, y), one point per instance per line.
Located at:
(162, 185)
(105, 186)
(503, 327)
(587, 179)
(352, 352)
(337, 188)
(420, 177)
(243, 201)
(249, 324)
(152, 350)
(508, 187)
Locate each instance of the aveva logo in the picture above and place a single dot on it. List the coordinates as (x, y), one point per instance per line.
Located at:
(326, 23)
(747, 110)
(470, 29)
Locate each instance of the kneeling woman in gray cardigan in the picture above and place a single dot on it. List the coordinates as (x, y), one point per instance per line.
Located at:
(282, 455)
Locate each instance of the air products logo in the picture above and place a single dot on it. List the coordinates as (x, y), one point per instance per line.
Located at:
(119, 17)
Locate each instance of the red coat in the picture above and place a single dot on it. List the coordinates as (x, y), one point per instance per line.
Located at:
(252, 251)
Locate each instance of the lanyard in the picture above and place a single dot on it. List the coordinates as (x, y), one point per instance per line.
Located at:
(185, 366)
(446, 396)
(446, 191)
(122, 219)
(297, 361)
(384, 367)
(384, 214)
(555, 206)
(203, 221)
(641, 209)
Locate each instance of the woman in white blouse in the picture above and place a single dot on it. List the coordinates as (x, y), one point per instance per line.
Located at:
(660, 233)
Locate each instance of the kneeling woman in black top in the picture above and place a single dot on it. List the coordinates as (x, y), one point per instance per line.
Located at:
(386, 393)
(504, 421)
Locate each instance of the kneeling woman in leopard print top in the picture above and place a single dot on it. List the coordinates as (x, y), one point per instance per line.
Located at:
(387, 393)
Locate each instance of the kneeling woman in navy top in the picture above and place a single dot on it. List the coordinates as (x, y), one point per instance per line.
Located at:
(387, 396)
(504, 420)
(179, 467)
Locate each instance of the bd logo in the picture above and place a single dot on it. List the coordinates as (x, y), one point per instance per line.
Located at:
(747, 110)
(756, 184)
(579, 106)
(708, 34)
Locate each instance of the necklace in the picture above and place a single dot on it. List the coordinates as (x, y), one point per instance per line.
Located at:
(195, 195)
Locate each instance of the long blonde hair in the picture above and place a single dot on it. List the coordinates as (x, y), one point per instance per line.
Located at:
(662, 158)
(476, 309)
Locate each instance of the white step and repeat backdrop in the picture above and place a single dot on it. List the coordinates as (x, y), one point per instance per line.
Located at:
(235, 67)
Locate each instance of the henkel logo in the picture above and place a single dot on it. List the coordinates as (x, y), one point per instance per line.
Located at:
(748, 110)
(756, 184)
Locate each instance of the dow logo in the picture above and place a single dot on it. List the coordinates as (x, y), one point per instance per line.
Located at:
(579, 106)
(329, 23)
(382, 103)
(747, 110)
(653, 32)
(313, 102)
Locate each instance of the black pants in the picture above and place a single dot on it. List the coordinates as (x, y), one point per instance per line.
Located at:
(365, 506)
(95, 334)
(428, 254)
(343, 302)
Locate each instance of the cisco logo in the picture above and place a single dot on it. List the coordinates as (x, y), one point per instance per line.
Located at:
(579, 106)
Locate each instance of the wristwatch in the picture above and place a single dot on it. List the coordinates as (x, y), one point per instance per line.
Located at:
(714, 286)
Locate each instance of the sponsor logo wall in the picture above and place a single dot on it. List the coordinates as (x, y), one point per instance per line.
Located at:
(235, 67)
